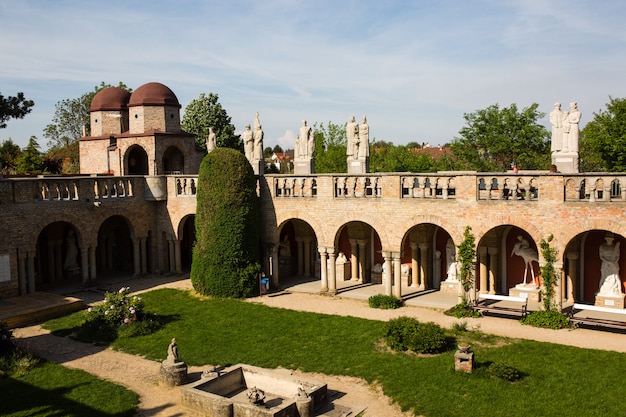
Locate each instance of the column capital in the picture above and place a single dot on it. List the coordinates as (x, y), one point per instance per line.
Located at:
(492, 251)
(322, 250)
(482, 250)
(424, 246)
(572, 256)
(414, 245)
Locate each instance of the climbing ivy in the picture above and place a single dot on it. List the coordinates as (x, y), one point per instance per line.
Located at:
(548, 274)
(467, 256)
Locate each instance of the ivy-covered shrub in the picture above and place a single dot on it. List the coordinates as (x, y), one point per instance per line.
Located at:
(407, 333)
(549, 319)
(384, 302)
(226, 254)
(461, 310)
(504, 371)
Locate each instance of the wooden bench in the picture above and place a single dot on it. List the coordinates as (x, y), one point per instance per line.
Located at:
(615, 323)
(490, 303)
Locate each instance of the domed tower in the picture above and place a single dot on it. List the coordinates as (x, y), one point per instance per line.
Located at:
(109, 111)
(154, 106)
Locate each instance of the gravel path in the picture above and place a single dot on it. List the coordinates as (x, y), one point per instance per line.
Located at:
(141, 375)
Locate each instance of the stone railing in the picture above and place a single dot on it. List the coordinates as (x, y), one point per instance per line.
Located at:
(510, 187)
(295, 186)
(431, 186)
(82, 188)
(602, 187)
(356, 186)
(186, 185)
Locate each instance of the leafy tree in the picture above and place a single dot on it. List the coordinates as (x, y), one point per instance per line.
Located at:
(9, 152)
(603, 140)
(330, 148)
(226, 253)
(14, 108)
(386, 157)
(205, 112)
(494, 138)
(29, 161)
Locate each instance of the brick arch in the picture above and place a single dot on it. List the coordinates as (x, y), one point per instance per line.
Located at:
(313, 223)
(454, 230)
(79, 227)
(572, 230)
(106, 214)
(481, 228)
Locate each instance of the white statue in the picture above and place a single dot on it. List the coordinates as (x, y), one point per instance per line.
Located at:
(573, 118)
(258, 139)
(522, 248)
(451, 262)
(172, 352)
(211, 140)
(341, 258)
(248, 142)
(305, 141)
(72, 252)
(352, 134)
(610, 283)
(556, 119)
(364, 137)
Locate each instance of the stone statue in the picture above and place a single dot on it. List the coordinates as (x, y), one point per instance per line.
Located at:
(257, 122)
(248, 143)
(522, 248)
(258, 140)
(211, 140)
(451, 262)
(364, 137)
(610, 283)
(72, 252)
(352, 134)
(341, 258)
(573, 119)
(172, 352)
(556, 119)
(306, 141)
(256, 396)
(285, 247)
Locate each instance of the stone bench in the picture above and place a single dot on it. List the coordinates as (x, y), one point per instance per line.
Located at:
(502, 304)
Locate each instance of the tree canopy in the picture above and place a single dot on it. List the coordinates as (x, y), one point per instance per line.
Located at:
(494, 138)
(603, 140)
(14, 108)
(204, 112)
(30, 160)
(330, 148)
(9, 153)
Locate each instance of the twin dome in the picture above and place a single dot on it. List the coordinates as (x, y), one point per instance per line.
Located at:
(151, 94)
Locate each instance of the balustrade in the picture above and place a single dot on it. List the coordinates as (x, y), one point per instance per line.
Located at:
(428, 186)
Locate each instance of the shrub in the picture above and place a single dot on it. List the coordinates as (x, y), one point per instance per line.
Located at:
(406, 333)
(384, 302)
(460, 327)
(463, 309)
(504, 371)
(226, 253)
(6, 340)
(549, 319)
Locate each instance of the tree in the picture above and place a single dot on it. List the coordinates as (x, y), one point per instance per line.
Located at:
(330, 148)
(205, 112)
(9, 152)
(226, 253)
(14, 108)
(494, 138)
(386, 157)
(602, 140)
(29, 161)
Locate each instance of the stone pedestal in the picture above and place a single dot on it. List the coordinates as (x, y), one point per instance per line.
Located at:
(305, 406)
(566, 162)
(529, 291)
(449, 286)
(303, 166)
(258, 167)
(358, 166)
(173, 374)
(464, 359)
(610, 301)
(342, 271)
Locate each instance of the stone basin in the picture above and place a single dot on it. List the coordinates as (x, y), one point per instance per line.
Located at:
(225, 393)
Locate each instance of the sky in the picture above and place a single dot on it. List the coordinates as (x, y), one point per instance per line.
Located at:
(413, 67)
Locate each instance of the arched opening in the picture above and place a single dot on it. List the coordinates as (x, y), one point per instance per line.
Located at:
(173, 161)
(428, 257)
(137, 161)
(361, 246)
(114, 254)
(187, 235)
(297, 251)
(59, 258)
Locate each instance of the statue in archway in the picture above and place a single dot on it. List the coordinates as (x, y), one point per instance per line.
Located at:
(71, 256)
(610, 283)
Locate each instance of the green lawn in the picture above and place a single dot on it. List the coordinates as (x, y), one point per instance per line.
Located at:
(559, 380)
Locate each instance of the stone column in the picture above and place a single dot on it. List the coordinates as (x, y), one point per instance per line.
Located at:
(354, 266)
(493, 264)
(572, 263)
(51, 257)
(323, 269)
(332, 278)
(21, 272)
(171, 254)
(179, 267)
(397, 275)
(144, 255)
(423, 266)
(307, 258)
(58, 260)
(362, 259)
(415, 272)
(84, 264)
(387, 272)
(136, 257)
(274, 270)
(31, 271)
(92, 264)
(300, 256)
(482, 260)
(437, 270)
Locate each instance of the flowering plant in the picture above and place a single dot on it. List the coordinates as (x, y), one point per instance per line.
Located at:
(118, 308)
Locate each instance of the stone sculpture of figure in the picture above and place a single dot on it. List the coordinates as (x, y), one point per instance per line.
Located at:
(610, 283)
(296, 149)
(172, 352)
(451, 262)
(285, 247)
(364, 137)
(573, 118)
(72, 252)
(306, 139)
(211, 140)
(352, 134)
(257, 122)
(522, 248)
(556, 119)
(258, 143)
(341, 258)
(248, 142)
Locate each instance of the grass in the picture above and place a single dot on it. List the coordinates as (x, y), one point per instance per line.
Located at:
(557, 380)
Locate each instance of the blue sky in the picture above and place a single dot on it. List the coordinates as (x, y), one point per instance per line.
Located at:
(413, 67)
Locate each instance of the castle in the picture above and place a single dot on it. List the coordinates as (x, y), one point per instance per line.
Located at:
(131, 211)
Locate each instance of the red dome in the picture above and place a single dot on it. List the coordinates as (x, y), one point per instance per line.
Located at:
(110, 98)
(153, 94)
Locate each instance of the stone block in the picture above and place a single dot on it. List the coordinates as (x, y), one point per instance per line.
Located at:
(610, 301)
